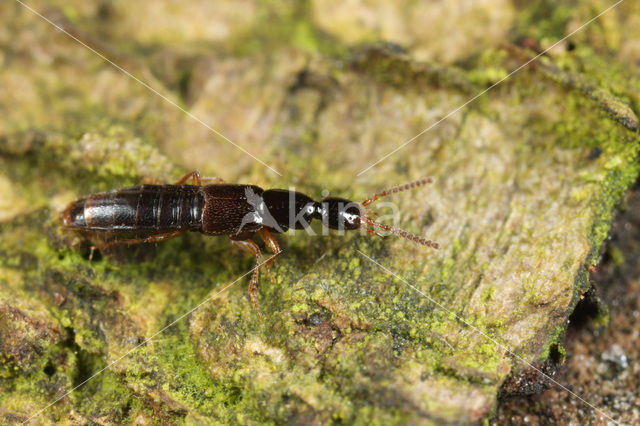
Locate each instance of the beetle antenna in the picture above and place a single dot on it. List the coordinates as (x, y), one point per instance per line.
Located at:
(399, 232)
(395, 189)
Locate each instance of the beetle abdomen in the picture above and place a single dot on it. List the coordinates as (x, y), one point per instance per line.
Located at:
(139, 209)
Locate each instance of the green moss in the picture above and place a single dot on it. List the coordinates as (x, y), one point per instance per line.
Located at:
(616, 256)
(487, 70)
(602, 318)
(555, 341)
(550, 19)
(103, 397)
(487, 294)
(341, 339)
(284, 23)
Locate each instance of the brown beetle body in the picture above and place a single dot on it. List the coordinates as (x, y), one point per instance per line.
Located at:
(154, 209)
(152, 213)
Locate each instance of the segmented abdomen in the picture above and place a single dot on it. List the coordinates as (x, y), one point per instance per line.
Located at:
(145, 208)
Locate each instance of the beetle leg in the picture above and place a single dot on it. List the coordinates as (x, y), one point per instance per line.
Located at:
(249, 246)
(197, 179)
(371, 213)
(151, 239)
(215, 179)
(150, 181)
(372, 231)
(271, 241)
(194, 176)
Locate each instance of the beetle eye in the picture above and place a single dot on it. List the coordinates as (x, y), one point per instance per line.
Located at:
(351, 217)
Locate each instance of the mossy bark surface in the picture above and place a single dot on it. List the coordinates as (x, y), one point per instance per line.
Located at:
(526, 179)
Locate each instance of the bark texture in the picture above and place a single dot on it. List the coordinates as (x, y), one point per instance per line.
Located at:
(526, 179)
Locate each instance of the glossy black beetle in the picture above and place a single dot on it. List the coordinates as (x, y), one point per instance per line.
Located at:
(152, 213)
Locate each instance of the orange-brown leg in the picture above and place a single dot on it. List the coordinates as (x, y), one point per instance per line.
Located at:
(371, 213)
(197, 179)
(251, 247)
(372, 231)
(271, 241)
(151, 239)
(194, 176)
(150, 181)
(215, 179)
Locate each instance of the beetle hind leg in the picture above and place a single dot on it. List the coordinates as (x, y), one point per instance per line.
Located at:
(150, 239)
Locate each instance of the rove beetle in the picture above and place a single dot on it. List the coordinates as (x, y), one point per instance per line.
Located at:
(152, 213)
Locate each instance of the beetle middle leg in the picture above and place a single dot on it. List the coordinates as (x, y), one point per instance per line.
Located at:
(270, 240)
(251, 247)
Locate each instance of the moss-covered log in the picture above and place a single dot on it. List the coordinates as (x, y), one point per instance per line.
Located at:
(525, 182)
